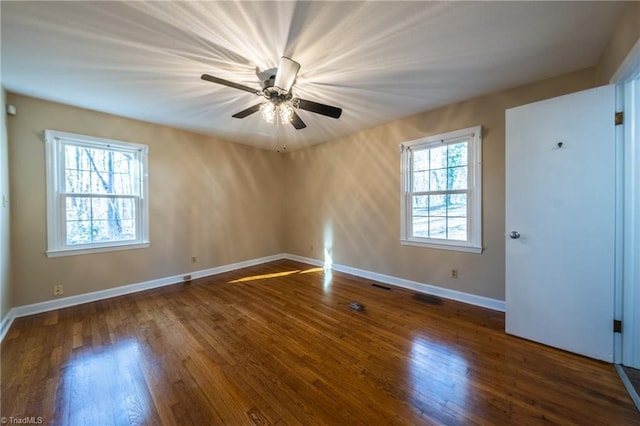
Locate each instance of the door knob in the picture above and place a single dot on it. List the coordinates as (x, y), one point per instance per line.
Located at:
(514, 234)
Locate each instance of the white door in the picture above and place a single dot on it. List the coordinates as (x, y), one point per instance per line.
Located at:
(560, 222)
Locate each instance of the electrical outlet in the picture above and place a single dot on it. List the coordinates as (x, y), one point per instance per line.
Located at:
(454, 273)
(58, 290)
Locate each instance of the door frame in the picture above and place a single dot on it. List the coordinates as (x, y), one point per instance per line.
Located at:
(627, 293)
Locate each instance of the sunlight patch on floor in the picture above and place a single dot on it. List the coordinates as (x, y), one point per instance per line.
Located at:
(308, 271)
(264, 276)
(326, 281)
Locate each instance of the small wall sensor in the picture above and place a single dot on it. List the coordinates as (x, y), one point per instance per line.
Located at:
(11, 109)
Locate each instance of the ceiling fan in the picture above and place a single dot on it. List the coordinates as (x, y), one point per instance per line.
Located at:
(276, 89)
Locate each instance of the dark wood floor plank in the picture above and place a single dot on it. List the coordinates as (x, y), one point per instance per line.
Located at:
(278, 344)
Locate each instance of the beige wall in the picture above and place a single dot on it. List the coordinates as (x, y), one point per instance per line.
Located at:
(627, 34)
(6, 302)
(346, 194)
(209, 198)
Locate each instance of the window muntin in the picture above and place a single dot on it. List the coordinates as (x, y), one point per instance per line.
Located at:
(441, 203)
(96, 194)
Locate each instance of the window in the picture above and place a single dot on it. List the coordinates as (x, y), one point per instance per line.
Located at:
(441, 191)
(96, 194)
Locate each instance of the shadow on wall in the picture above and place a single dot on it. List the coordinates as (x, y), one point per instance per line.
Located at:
(352, 187)
(228, 200)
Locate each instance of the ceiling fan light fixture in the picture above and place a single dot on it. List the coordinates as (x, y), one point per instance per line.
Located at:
(268, 111)
(271, 110)
(286, 112)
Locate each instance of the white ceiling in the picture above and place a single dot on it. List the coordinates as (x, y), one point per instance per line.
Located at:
(379, 61)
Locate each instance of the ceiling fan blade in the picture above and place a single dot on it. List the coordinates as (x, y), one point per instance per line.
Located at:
(297, 121)
(286, 75)
(329, 111)
(229, 83)
(248, 111)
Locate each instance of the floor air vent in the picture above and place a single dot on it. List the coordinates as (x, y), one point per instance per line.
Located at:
(380, 286)
(427, 298)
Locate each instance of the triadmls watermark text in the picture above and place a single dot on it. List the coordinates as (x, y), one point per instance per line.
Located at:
(22, 420)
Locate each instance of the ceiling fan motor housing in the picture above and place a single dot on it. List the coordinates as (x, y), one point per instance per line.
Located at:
(266, 84)
(267, 77)
(276, 95)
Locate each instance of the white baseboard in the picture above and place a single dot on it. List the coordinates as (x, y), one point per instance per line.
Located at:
(49, 305)
(6, 323)
(472, 299)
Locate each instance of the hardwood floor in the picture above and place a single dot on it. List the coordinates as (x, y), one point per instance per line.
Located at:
(279, 344)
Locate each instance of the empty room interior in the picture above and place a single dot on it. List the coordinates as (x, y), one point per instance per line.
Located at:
(313, 212)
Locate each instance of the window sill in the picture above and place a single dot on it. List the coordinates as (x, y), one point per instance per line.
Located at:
(90, 250)
(443, 246)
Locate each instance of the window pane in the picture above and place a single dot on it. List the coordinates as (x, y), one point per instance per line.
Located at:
(421, 226)
(78, 220)
(420, 202)
(420, 214)
(457, 154)
(437, 227)
(420, 181)
(101, 160)
(121, 219)
(125, 208)
(440, 216)
(457, 229)
(99, 171)
(78, 208)
(437, 205)
(128, 230)
(77, 181)
(100, 209)
(106, 231)
(421, 160)
(438, 157)
(79, 232)
(438, 180)
(420, 205)
(109, 215)
(123, 183)
(457, 205)
(457, 177)
(91, 220)
(98, 184)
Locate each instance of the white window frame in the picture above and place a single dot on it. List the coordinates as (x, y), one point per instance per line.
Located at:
(56, 215)
(474, 190)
